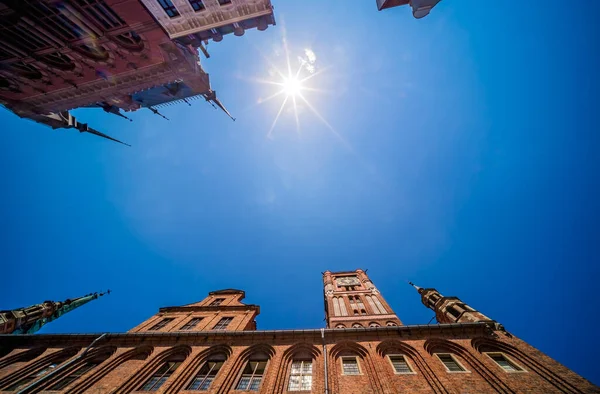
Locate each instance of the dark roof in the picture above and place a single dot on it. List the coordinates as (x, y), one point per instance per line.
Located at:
(227, 291)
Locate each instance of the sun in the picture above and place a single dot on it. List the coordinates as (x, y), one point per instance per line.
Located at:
(291, 86)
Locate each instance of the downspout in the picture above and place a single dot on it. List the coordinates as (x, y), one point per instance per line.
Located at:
(52, 373)
(325, 360)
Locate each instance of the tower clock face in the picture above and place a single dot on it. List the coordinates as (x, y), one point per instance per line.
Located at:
(348, 281)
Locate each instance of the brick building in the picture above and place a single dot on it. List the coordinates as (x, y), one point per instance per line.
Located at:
(214, 346)
(113, 55)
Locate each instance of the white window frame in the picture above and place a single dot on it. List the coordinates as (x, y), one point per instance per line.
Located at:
(357, 364)
(301, 375)
(465, 370)
(412, 370)
(510, 360)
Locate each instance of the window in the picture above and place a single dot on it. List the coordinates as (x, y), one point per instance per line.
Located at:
(224, 2)
(160, 376)
(191, 324)
(357, 325)
(197, 5)
(169, 8)
(340, 326)
(504, 362)
(161, 324)
(252, 375)
(450, 363)
(391, 324)
(350, 366)
(223, 323)
(217, 302)
(301, 376)
(374, 325)
(453, 311)
(31, 377)
(73, 376)
(400, 364)
(206, 375)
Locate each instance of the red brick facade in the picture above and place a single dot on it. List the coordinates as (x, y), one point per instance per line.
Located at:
(192, 352)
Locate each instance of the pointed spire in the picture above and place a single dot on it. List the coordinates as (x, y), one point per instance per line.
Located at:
(415, 286)
(155, 111)
(67, 121)
(211, 97)
(31, 319)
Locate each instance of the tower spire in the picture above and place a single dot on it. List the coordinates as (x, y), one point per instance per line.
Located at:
(415, 286)
(30, 319)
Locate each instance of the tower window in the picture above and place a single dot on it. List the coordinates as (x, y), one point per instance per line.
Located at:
(197, 5)
(205, 376)
(357, 325)
(450, 362)
(453, 311)
(504, 362)
(340, 326)
(169, 8)
(350, 366)
(191, 324)
(252, 375)
(400, 364)
(161, 324)
(391, 324)
(301, 376)
(217, 302)
(224, 2)
(223, 323)
(374, 324)
(160, 376)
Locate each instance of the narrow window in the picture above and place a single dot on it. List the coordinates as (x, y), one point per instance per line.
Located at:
(160, 376)
(504, 362)
(336, 306)
(223, 323)
(73, 376)
(379, 305)
(217, 302)
(342, 306)
(453, 311)
(400, 364)
(224, 2)
(197, 5)
(205, 376)
(169, 8)
(252, 375)
(372, 305)
(31, 377)
(191, 324)
(450, 363)
(161, 324)
(301, 376)
(350, 366)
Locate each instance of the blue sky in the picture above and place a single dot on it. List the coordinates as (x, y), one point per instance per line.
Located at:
(465, 159)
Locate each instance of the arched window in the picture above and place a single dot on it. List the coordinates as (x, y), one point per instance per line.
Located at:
(391, 324)
(450, 362)
(93, 51)
(340, 326)
(373, 324)
(253, 372)
(400, 364)
(130, 41)
(301, 373)
(81, 370)
(207, 374)
(163, 373)
(58, 60)
(37, 370)
(357, 325)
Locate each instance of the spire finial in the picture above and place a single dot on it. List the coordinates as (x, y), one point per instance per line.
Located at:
(415, 286)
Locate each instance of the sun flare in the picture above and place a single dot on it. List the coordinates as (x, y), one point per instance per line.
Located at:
(291, 86)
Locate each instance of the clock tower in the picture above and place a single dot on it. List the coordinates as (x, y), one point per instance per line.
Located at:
(352, 301)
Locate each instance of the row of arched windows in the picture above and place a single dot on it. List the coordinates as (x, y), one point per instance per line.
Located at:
(371, 324)
(175, 369)
(357, 305)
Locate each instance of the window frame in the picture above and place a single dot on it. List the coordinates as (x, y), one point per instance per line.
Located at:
(219, 322)
(464, 370)
(355, 358)
(155, 373)
(408, 364)
(202, 6)
(253, 375)
(75, 375)
(301, 375)
(165, 321)
(205, 376)
(518, 367)
(169, 6)
(216, 302)
(188, 326)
